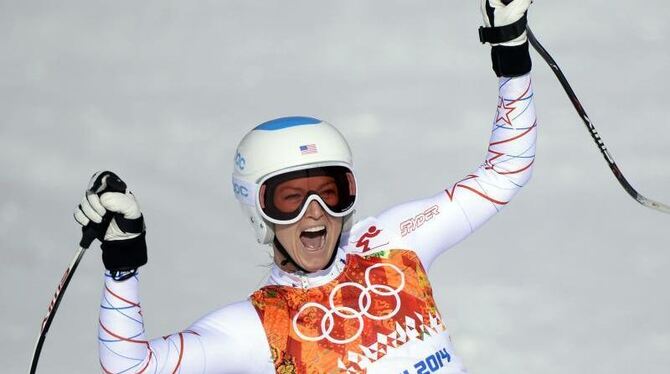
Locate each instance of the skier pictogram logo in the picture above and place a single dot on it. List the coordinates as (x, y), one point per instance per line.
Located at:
(364, 240)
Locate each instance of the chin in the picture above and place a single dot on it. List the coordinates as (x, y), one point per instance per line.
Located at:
(317, 262)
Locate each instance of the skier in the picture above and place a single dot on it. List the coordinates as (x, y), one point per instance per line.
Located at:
(341, 296)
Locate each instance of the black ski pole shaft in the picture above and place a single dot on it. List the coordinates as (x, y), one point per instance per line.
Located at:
(649, 203)
(89, 233)
(53, 306)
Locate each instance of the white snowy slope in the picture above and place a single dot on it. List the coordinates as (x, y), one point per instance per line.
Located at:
(162, 91)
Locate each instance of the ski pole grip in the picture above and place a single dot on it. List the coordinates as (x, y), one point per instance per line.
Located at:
(94, 230)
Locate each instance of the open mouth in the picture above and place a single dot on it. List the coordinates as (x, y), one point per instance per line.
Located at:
(314, 238)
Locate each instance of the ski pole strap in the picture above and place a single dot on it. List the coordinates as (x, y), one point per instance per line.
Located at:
(501, 34)
(120, 276)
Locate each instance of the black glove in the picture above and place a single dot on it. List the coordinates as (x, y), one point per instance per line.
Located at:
(111, 214)
(505, 30)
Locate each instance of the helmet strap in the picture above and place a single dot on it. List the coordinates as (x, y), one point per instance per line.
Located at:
(287, 257)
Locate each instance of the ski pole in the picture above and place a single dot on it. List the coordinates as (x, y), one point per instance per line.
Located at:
(649, 203)
(89, 233)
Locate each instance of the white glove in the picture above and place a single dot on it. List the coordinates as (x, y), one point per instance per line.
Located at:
(497, 14)
(110, 213)
(94, 207)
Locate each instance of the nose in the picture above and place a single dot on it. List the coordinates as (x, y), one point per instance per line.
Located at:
(314, 210)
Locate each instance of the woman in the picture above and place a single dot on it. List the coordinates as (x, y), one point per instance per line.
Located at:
(341, 296)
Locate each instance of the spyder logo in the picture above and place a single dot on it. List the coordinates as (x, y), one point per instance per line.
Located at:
(409, 225)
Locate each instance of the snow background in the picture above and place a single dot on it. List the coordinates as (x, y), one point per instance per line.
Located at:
(572, 277)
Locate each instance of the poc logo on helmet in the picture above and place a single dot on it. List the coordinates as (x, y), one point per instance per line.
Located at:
(240, 162)
(240, 190)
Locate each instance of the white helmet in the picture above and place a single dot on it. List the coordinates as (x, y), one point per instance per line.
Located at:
(281, 146)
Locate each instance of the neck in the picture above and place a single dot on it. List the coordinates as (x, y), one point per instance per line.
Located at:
(279, 276)
(283, 262)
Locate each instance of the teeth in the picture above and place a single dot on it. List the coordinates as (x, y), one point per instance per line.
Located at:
(315, 229)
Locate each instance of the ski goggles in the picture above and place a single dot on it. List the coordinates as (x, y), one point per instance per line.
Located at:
(284, 198)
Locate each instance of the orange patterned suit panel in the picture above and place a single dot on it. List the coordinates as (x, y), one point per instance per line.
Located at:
(378, 303)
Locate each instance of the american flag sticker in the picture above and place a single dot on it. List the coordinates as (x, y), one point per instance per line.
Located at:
(308, 149)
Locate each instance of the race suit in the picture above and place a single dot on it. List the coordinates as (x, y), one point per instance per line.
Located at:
(371, 311)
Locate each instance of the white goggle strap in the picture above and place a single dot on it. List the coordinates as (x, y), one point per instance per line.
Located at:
(245, 192)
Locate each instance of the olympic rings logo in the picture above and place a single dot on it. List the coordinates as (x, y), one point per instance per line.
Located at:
(364, 303)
